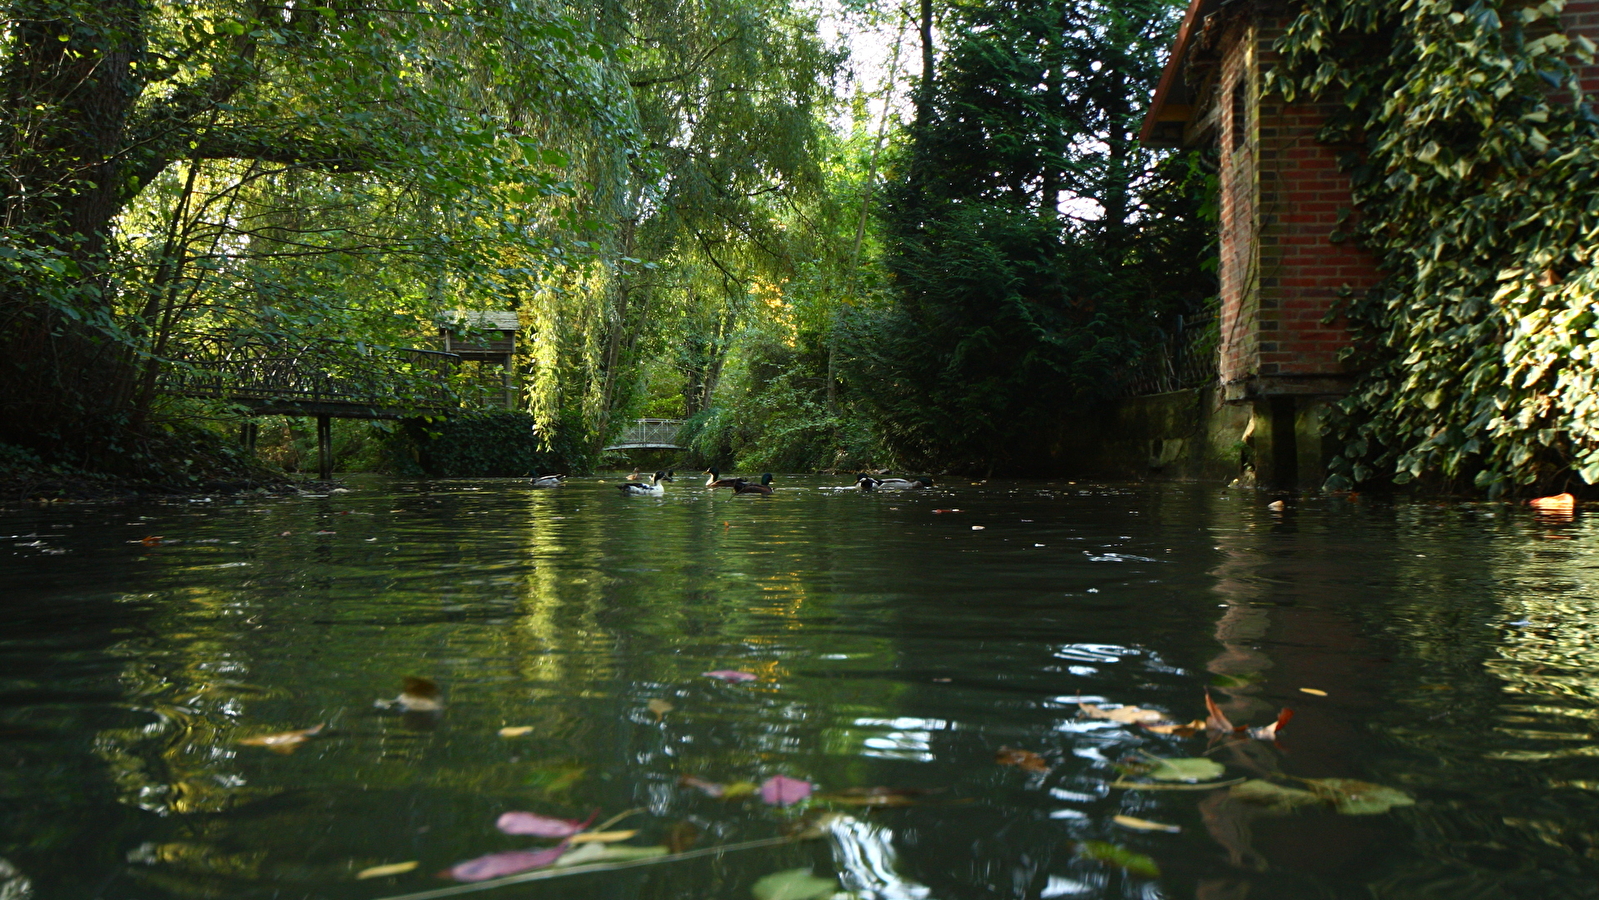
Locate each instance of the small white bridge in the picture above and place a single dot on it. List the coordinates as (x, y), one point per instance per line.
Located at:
(649, 434)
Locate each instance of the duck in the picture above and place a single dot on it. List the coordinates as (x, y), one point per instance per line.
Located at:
(636, 476)
(716, 480)
(740, 486)
(865, 482)
(545, 481)
(653, 489)
(902, 484)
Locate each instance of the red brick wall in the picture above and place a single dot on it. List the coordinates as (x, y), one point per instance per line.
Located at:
(1278, 288)
(1582, 17)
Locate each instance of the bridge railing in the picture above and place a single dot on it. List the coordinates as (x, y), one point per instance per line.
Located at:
(234, 367)
(661, 433)
(1185, 358)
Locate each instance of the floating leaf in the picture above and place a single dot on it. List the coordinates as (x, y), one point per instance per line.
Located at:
(781, 790)
(593, 853)
(659, 707)
(873, 796)
(1556, 503)
(602, 837)
(1163, 786)
(1358, 798)
(498, 865)
(738, 789)
(381, 871)
(731, 675)
(1216, 720)
(682, 835)
(1137, 824)
(283, 741)
(1120, 857)
(1269, 732)
(1314, 692)
(794, 884)
(1274, 796)
(1129, 715)
(555, 778)
(1024, 759)
(1180, 729)
(709, 787)
(540, 826)
(1192, 768)
(516, 730)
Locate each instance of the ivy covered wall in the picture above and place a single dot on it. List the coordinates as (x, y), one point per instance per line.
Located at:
(1476, 175)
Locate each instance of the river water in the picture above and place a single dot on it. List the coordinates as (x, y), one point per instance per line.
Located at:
(939, 645)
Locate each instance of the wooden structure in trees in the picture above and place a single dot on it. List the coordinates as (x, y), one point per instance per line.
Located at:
(487, 338)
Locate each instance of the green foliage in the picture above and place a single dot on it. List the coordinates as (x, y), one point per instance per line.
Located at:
(491, 444)
(1029, 264)
(1477, 191)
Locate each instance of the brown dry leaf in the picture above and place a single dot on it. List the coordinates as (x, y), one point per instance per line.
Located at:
(1024, 759)
(1217, 719)
(1184, 729)
(681, 836)
(515, 730)
(283, 741)
(1127, 715)
(601, 837)
(390, 869)
(659, 707)
(1145, 824)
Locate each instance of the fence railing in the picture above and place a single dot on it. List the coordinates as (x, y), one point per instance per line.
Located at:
(1185, 358)
(642, 433)
(232, 367)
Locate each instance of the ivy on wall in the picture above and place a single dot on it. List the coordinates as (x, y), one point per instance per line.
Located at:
(1478, 190)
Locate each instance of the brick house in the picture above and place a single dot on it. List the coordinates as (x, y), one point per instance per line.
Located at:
(1284, 267)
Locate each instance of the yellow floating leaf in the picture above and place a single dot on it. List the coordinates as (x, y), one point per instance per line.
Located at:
(739, 789)
(601, 837)
(1314, 692)
(283, 742)
(1145, 825)
(659, 707)
(1129, 715)
(390, 869)
(516, 730)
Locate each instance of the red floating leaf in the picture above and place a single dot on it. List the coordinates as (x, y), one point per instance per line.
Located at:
(540, 826)
(731, 675)
(1217, 720)
(1269, 732)
(781, 790)
(498, 865)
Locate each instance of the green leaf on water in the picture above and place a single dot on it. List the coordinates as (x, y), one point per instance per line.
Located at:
(1120, 857)
(1192, 768)
(598, 852)
(1274, 796)
(794, 884)
(1358, 798)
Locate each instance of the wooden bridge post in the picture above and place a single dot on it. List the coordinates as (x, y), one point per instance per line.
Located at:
(324, 447)
(249, 432)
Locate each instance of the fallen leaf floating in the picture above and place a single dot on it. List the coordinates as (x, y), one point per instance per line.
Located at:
(1180, 729)
(516, 730)
(381, 871)
(1023, 759)
(1556, 503)
(1190, 769)
(603, 837)
(781, 790)
(1269, 732)
(1346, 795)
(793, 884)
(416, 695)
(874, 796)
(659, 707)
(1218, 721)
(283, 741)
(597, 853)
(541, 826)
(1137, 824)
(499, 865)
(739, 789)
(1314, 692)
(730, 675)
(710, 788)
(1128, 715)
(1120, 857)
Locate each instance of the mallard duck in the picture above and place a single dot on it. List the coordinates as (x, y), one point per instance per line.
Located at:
(636, 476)
(543, 481)
(653, 489)
(716, 480)
(740, 486)
(903, 484)
(865, 482)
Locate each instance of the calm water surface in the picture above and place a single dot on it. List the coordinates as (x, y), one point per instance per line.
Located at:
(895, 644)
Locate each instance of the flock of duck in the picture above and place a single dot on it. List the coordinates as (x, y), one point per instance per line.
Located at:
(639, 485)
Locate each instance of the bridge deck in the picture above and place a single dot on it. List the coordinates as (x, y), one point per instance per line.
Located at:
(649, 434)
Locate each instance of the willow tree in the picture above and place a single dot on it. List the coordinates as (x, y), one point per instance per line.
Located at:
(156, 152)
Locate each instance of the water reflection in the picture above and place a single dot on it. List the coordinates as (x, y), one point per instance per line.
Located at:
(1450, 647)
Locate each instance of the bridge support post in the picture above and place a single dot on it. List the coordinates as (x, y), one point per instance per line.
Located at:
(249, 431)
(324, 447)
